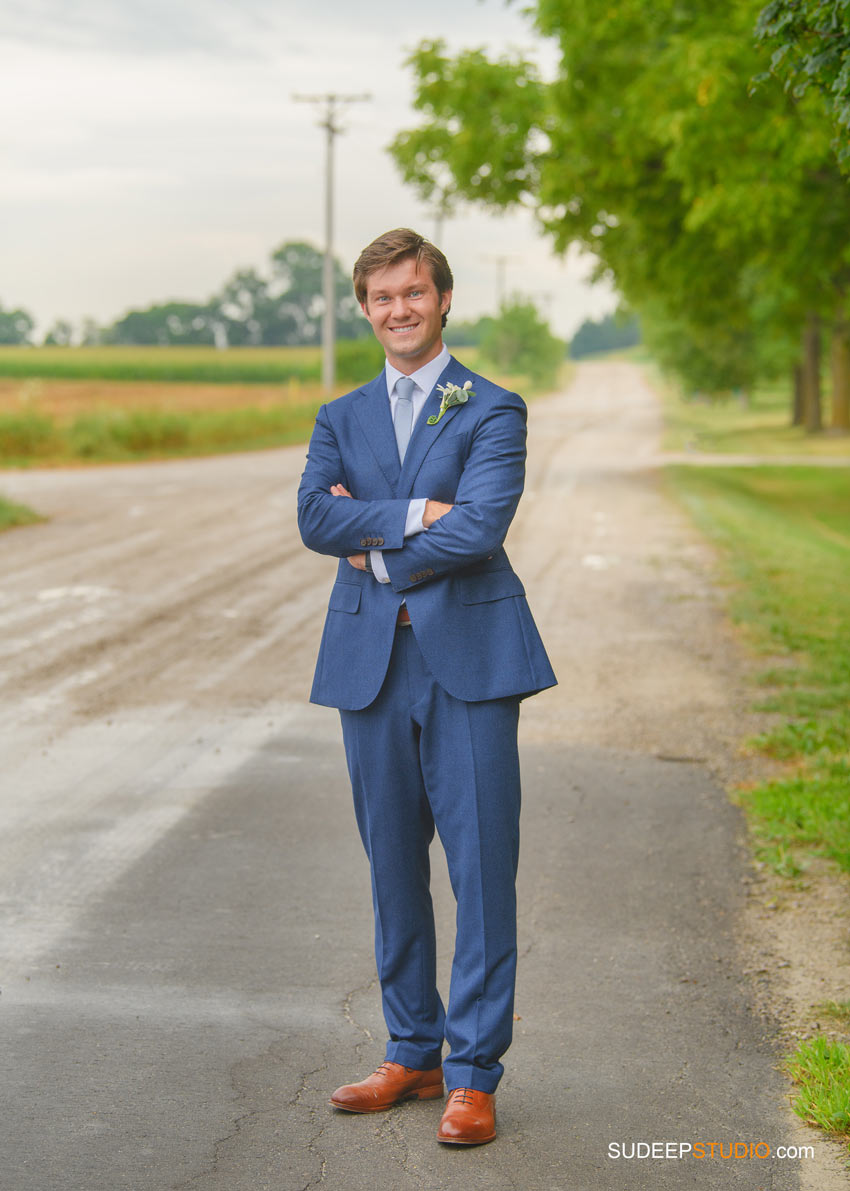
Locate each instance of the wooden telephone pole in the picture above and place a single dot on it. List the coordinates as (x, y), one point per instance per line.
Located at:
(329, 105)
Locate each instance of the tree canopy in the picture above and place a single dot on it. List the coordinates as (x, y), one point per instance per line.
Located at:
(811, 45)
(720, 214)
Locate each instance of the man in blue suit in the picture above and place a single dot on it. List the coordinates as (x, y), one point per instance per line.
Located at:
(428, 647)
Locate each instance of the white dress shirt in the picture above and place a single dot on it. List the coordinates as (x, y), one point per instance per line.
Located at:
(424, 378)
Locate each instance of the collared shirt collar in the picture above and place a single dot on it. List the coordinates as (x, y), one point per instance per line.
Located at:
(425, 377)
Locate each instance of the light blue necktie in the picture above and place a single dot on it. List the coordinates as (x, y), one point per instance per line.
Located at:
(403, 420)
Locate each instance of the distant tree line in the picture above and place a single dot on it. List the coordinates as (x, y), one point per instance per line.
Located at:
(281, 306)
(612, 333)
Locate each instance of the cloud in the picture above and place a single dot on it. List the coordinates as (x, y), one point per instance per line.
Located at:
(156, 146)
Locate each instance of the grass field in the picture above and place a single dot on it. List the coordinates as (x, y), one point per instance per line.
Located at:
(355, 360)
(785, 536)
(759, 427)
(785, 533)
(89, 405)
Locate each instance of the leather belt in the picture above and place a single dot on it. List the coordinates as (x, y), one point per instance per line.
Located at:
(403, 616)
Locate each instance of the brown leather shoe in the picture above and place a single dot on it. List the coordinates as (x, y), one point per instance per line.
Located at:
(387, 1086)
(469, 1118)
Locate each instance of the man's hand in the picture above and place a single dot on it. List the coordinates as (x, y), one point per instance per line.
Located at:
(434, 510)
(358, 561)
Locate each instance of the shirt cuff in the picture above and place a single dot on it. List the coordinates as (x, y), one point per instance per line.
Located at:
(415, 513)
(376, 557)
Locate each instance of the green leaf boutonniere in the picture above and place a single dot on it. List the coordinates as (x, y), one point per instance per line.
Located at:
(452, 395)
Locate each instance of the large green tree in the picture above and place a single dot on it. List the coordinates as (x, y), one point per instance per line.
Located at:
(720, 216)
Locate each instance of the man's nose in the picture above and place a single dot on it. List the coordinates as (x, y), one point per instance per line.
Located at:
(400, 306)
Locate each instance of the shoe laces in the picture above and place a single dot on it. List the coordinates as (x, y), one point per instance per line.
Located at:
(385, 1069)
(461, 1095)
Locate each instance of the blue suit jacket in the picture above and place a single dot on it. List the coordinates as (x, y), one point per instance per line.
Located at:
(467, 606)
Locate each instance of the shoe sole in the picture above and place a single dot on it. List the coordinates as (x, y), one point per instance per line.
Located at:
(425, 1094)
(462, 1141)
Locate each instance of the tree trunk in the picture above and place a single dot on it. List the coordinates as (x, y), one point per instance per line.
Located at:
(840, 358)
(811, 375)
(797, 406)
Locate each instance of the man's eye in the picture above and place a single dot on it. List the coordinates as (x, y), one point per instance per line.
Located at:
(416, 293)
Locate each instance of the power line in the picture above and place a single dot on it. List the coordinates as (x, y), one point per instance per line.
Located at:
(329, 104)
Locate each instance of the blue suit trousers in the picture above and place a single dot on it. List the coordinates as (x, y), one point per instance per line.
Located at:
(420, 758)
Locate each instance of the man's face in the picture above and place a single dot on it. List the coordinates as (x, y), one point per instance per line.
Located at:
(406, 313)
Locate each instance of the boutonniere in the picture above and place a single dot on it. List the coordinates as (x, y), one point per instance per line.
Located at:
(452, 395)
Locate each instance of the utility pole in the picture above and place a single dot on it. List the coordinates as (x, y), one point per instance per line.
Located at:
(442, 210)
(501, 260)
(329, 105)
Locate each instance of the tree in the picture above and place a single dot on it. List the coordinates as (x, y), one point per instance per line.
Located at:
(60, 334)
(90, 333)
(811, 40)
(283, 306)
(519, 340)
(612, 332)
(467, 334)
(16, 326)
(167, 323)
(720, 217)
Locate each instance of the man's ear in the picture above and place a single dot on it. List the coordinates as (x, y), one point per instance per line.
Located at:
(446, 302)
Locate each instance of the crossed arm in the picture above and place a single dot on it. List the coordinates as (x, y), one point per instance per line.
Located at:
(434, 509)
(469, 530)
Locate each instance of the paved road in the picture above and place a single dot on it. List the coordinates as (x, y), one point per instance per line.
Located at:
(186, 947)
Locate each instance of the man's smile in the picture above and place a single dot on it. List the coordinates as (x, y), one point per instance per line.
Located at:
(406, 312)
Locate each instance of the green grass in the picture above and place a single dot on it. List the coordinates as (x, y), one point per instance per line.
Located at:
(820, 1069)
(111, 436)
(107, 432)
(761, 426)
(356, 359)
(785, 533)
(839, 1010)
(12, 514)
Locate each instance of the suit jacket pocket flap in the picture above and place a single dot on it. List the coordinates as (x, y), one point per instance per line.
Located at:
(345, 597)
(492, 585)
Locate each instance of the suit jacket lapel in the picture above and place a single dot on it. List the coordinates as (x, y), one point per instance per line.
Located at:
(372, 408)
(424, 436)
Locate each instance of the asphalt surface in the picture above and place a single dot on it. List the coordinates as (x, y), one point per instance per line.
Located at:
(186, 943)
(187, 1027)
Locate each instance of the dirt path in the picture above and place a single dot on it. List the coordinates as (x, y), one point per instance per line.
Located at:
(144, 570)
(160, 631)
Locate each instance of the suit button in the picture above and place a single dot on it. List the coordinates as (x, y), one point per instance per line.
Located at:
(379, 541)
(364, 542)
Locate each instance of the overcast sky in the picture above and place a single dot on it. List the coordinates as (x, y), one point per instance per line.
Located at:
(151, 147)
